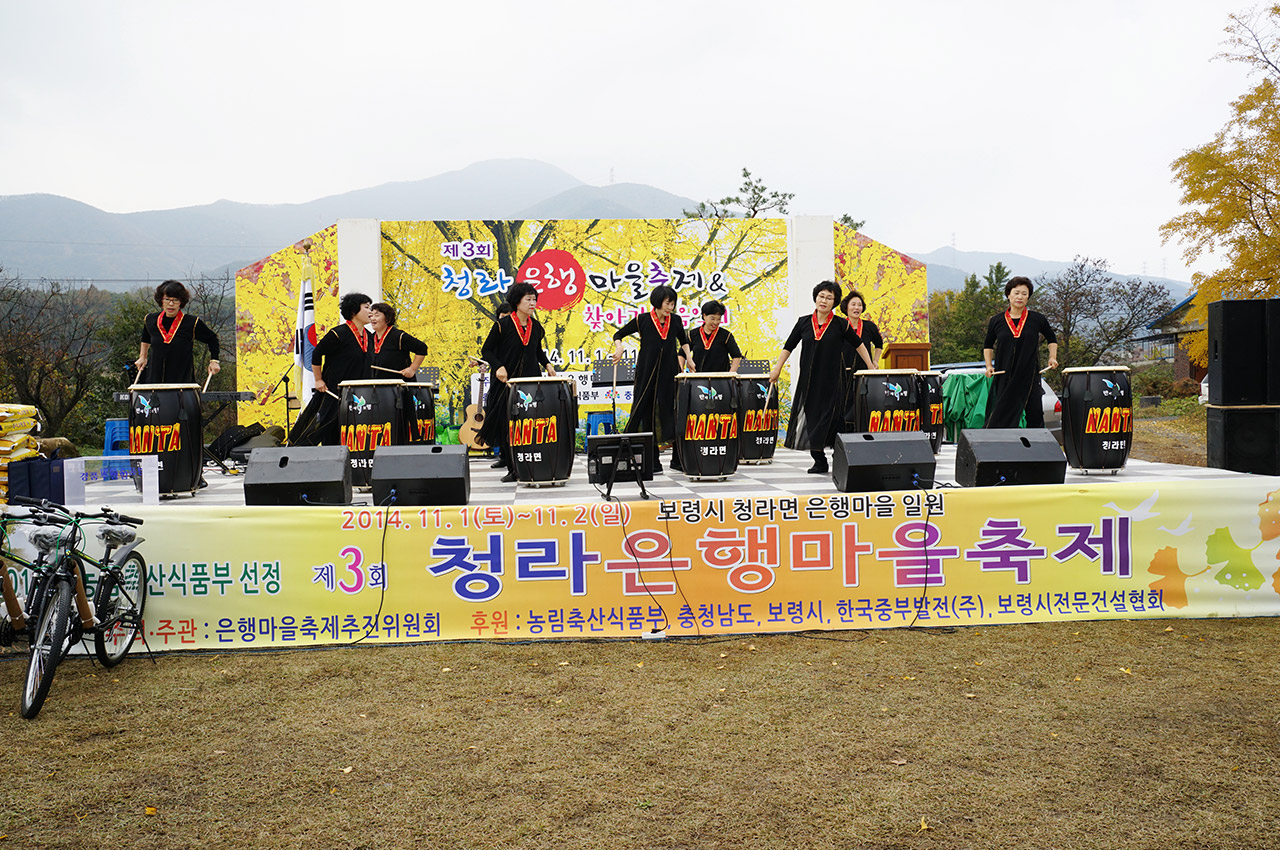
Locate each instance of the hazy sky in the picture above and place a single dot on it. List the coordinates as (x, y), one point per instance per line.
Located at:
(1045, 129)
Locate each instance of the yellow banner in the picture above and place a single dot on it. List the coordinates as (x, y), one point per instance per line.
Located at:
(946, 557)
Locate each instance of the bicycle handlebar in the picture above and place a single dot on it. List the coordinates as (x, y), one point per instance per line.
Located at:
(53, 507)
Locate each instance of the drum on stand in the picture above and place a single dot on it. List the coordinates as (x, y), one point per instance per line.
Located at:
(929, 391)
(542, 426)
(371, 414)
(420, 411)
(707, 432)
(757, 419)
(166, 420)
(886, 400)
(1097, 417)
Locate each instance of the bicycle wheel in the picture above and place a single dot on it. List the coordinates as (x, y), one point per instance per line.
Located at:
(118, 605)
(46, 647)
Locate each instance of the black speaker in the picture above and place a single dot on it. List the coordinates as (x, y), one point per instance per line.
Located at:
(298, 475)
(1244, 352)
(1244, 439)
(421, 475)
(884, 460)
(998, 456)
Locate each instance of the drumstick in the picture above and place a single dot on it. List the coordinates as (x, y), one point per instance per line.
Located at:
(206, 383)
(330, 392)
(385, 369)
(1045, 369)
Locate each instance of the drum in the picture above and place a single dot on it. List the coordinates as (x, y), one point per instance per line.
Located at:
(371, 414)
(707, 423)
(757, 419)
(166, 420)
(886, 400)
(1097, 417)
(420, 412)
(929, 391)
(542, 424)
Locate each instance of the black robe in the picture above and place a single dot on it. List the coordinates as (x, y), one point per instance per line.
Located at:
(717, 357)
(342, 359)
(653, 400)
(852, 364)
(815, 420)
(397, 352)
(503, 347)
(1018, 389)
(174, 362)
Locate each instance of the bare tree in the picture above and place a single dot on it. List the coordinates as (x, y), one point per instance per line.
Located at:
(753, 200)
(50, 353)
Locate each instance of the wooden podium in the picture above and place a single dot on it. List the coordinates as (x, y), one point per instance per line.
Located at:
(907, 355)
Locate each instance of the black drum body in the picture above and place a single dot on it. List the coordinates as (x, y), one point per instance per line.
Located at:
(886, 400)
(1097, 417)
(757, 419)
(542, 422)
(371, 415)
(929, 391)
(166, 420)
(420, 412)
(707, 434)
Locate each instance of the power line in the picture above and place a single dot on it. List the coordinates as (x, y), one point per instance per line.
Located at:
(128, 244)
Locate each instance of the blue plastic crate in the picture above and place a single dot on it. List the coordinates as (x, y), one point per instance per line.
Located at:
(115, 441)
(604, 421)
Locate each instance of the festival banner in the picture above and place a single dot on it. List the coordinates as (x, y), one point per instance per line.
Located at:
(774, 563)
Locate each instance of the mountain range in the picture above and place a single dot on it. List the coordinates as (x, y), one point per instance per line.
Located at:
(49, 236)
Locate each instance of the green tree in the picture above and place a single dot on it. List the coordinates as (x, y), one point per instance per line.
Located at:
(852, 223)
(753, 200)
(1231, 185)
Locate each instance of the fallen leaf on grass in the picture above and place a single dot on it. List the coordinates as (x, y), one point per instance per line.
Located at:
(640, 664)
(446, 669)
(564, 664)
(897, 761)
(923, 826)
(346, 770)
(1126, 671)
(970, 696)
(219, 752)
(151, 811)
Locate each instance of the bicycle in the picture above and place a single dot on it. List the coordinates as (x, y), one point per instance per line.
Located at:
(116, 616)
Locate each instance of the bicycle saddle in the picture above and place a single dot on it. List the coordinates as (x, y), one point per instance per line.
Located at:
(118, 535)
(44, 537)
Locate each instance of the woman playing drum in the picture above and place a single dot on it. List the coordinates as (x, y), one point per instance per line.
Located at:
(1013, 347)
(853, 306)
(714, 348)
(393, 349)
(816, 395)
(165, 355)
(662, 341)
(513, 349)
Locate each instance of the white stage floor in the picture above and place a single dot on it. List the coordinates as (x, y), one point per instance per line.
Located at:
(785, 476)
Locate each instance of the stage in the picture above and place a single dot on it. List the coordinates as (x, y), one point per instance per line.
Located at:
(771, 549)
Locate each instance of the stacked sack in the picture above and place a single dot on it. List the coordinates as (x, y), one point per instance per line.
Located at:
(17, 421)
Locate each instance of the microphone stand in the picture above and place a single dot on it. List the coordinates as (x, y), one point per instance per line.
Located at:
(284, 380)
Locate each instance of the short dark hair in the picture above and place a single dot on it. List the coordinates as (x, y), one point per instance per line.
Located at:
(518, 291)
(503, 309)
(351, 304)
(829, 286)
(1019, 281)
(713, 308)
(386, 310)
(853, 293)
(172, 289)
(662, 294)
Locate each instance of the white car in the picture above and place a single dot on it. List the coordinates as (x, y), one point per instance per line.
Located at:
(1204, 390)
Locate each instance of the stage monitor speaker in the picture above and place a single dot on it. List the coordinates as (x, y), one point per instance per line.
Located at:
(1001, 456)
(421, 475)
(1244, 352)
(884, 460)
(1244, 439)
(620, 456)
(298, 475)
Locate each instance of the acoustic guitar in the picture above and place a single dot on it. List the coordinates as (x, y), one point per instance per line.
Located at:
(473, 419)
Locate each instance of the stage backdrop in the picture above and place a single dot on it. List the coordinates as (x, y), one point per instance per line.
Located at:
(446, 278)
(951, 557)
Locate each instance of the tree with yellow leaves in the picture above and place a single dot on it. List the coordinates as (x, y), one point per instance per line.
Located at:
(1231, 185)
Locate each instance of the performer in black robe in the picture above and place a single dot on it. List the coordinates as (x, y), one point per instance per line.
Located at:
(714, 349)
(662, 340)
(165, 353)
(344, 353)
(815, 419)
(513, 349)
(1012, 346)
(853, 307)
(393, 349)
